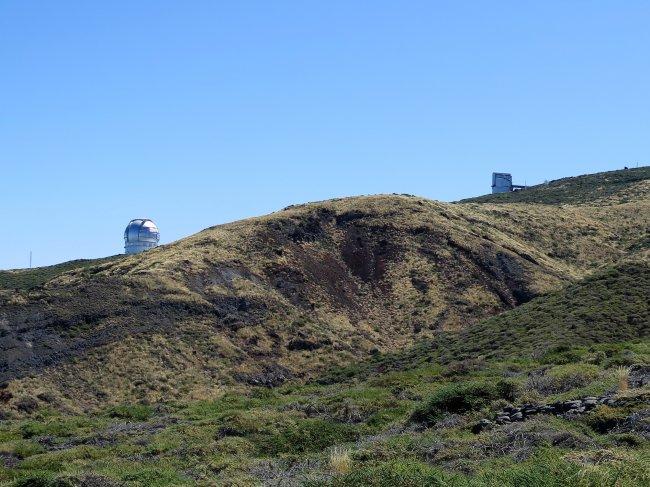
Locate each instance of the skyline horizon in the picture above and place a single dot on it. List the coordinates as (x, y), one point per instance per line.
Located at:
(163, 242)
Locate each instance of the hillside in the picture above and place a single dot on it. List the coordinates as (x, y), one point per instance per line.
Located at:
(362, 425)
(284, 296)
(606, 308)
(600, 188)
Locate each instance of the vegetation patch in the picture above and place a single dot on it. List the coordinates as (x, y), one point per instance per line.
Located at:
(461, 397)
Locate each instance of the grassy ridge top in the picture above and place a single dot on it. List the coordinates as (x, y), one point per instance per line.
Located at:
(629, 185)
(623, 185)
(26, 279)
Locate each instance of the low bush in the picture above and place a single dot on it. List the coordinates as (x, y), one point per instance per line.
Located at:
(272, 432)
(57, 426)
(562, 378)
(620, 358)
(605, 418)
(152, 477)
(308, 435)
(562, 354)
(628, 440)
(22, 448)
(507, 389)
(462, 397)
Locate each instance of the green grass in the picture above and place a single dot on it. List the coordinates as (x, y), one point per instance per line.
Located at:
(547, 468)
(241, 439)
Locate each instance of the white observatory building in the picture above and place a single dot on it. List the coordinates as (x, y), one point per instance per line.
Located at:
(141, 234)
(502, 183)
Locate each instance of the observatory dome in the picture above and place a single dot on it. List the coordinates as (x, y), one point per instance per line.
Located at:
(141, 234)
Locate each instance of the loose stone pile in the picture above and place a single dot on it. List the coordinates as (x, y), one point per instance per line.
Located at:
(575, 407)
(639, 376)
(578, 406)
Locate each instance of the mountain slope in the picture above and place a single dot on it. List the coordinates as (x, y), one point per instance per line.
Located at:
(608, 307)
(285, 295)
(561, 346)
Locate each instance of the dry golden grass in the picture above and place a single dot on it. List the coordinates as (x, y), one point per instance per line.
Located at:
(340, 461)
(622, 375)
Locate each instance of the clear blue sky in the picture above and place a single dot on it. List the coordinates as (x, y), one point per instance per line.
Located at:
(195, 113)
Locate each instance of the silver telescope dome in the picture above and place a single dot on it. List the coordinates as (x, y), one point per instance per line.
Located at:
(141, 234)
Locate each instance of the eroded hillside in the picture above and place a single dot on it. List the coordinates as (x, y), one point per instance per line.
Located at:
(285, 295)
(426, 415)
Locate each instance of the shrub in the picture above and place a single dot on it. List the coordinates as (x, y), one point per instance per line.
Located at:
(273, 432)
(628, 440)
(605, 418)
(152, 476)
(26, 404)
(457, 398)
(561, 354)
(621, 358)
(31, 429)
(507, 389)
(307, 435)
(234, 445)
(57, 426)
(42, 480)
(23, 448)
(562, 378)
(598, 358)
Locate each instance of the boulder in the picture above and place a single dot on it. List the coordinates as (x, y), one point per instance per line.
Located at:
(590, 403)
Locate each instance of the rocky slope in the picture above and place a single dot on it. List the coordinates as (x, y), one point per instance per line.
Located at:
(285, 295)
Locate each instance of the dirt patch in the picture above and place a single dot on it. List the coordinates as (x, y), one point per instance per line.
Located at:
(368, 253)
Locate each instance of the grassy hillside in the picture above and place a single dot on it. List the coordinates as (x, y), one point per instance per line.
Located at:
(613, 186)
(358, 426)
(609, 307)
(283, 296)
